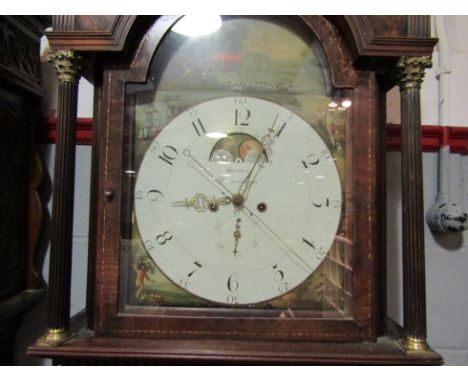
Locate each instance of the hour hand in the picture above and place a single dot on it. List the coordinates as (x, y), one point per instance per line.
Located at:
(201, 203)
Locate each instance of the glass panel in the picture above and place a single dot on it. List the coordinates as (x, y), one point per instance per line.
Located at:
(235, 176)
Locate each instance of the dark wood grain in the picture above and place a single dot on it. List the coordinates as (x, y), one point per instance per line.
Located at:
(374, 40)
(97, 33)
(381, 190)
(89, 350)
(357, 47)
(365, 35)
(111, 320)
(343, 73)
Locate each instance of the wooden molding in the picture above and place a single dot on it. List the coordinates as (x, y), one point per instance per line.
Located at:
(369, 37)
(89, 33)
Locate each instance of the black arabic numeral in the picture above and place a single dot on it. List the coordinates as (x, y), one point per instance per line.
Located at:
(168, 154)
(320, 204)
(164, 238)
(311, 160)
(154, 195)
(280, 130)
(279, 278)
(309, 243)
(196, 269)
(279, 275)
(314, 159)
(233, 283)
(242, 117)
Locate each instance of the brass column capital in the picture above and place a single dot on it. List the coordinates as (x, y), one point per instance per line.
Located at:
(410, 71)
(68, 65)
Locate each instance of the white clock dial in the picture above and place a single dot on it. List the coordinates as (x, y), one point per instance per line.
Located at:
(238, 200)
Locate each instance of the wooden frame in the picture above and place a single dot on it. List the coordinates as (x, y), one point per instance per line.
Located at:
(348, 46)
(225, 323)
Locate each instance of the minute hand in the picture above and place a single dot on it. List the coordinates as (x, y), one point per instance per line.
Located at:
(210, 175)
(248, 212)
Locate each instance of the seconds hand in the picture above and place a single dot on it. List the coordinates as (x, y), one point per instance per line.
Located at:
(188, 154)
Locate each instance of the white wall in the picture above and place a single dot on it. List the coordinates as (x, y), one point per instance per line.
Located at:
(446, 256)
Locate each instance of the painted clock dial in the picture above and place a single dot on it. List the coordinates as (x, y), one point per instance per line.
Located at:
(238, 200)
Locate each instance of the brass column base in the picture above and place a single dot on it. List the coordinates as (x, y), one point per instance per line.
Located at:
(415, 345)
(55, 337)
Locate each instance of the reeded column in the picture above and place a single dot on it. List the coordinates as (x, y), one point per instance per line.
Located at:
(410, 76)
(68, 67)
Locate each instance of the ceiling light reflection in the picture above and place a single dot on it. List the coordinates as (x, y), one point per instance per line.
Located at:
(346, 103)
(196, 26)
(216, 135)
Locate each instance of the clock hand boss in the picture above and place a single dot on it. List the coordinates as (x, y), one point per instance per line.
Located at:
(237, 199)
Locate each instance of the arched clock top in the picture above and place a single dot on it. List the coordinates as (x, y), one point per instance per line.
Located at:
(323, 38)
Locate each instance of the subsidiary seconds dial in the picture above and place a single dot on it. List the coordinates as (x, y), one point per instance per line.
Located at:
(238, 200)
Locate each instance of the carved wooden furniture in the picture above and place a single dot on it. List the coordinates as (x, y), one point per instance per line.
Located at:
(20, 173)
(367, 55)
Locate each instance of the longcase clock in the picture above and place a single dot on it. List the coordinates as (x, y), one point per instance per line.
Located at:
(238, 190)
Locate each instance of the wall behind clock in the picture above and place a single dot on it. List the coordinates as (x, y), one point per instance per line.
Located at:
(446, 255)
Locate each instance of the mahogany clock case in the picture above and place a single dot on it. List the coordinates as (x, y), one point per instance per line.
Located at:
(114, 316)
(357, 58)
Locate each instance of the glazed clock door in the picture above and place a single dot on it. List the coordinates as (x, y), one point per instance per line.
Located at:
(262, 188)
(239, 185)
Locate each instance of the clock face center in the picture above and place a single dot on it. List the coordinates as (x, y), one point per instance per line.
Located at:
(238, 200)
